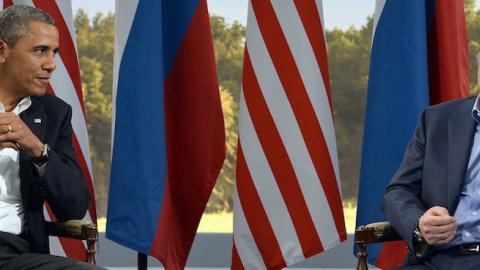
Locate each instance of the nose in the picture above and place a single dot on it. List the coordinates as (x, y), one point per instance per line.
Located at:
(50, 65)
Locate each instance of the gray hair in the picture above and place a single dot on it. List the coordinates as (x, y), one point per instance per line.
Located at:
(14, 22)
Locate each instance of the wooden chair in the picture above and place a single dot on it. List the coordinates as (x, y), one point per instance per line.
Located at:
(372, 233)
(77, 229)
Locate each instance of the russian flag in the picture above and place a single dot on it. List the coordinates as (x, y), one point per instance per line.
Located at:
(169, 140)
(419, 57)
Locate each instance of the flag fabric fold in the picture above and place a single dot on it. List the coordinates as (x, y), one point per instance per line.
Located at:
(419, 57)
(287, 202)
(66, 84)
(168, 139)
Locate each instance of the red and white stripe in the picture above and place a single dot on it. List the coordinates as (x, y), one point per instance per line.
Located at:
(287, 199)
(65, 84)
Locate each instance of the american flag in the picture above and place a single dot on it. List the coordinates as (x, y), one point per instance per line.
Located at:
(287, 200)
(65, 83)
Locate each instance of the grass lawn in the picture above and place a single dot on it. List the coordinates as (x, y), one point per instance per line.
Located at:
(223, 222)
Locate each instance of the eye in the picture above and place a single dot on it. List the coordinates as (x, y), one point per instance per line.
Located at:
(40, 50)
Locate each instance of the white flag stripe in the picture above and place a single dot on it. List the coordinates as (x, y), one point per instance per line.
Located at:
(65, 8)
(292, 138)
(23, 2)
(56, 246)
(289, 128)
(319, 4)
(124, 14)
(267, 189)
(310, 73)
(1, 4)
(247, 248)
(63, 87)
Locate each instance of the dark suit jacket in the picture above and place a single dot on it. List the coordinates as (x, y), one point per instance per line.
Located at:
(62, 185)
(433, 168)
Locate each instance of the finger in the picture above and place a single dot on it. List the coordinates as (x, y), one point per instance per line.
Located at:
(8, 137)
(8, 114)
(438, 221)
(439, 211)
(439, 229)
(443, 238)
(9, 145)
(5, 128)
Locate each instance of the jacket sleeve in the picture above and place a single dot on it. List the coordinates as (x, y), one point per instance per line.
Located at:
(63, 183)
(402, 200)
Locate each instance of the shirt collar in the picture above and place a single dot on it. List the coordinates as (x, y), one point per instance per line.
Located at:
(21, 106)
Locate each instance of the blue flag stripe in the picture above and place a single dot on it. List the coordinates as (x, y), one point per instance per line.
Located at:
(139, 161)
(397, 93)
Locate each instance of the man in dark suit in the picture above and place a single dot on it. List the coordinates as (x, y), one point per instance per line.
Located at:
(433, 201)
(37, 161)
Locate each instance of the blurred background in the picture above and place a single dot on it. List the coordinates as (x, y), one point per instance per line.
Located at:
(348, 26)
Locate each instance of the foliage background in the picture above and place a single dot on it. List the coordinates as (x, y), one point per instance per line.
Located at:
(348, 51)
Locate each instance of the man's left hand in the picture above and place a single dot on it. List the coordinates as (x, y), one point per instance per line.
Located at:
(13, 129)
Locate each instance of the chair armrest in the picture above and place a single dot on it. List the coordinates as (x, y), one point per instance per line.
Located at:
(372, 233)
(376, 232)
(77, 229)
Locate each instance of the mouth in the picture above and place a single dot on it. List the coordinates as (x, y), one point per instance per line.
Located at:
(44, 80)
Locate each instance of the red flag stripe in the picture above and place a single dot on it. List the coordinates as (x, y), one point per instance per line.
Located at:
(88, 179)
(287, 135)
(299, 100)
(82, 162)
(187, 191)
(448, 53)
(256, 216)
(236, 263)
(308, 12)
(67, 49)
(278, 160)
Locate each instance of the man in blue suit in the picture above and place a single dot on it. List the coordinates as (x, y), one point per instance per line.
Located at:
(37, 161)
(433, 200)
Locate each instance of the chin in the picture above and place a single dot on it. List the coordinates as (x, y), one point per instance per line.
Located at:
(37, 92)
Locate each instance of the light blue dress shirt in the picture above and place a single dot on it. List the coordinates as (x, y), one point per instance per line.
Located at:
(467, 213)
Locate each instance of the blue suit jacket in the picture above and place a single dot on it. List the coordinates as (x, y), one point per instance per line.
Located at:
(62, 184)
(433, 167)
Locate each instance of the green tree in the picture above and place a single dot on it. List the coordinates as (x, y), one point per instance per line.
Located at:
(222, 195)
(348, 56)
(228, 41)
(472, 15)
(96, 61)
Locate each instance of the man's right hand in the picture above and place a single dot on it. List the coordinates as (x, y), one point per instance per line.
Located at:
(437, 226)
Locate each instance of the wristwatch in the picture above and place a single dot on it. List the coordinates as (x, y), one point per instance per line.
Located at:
(43, 158)
(417, 235)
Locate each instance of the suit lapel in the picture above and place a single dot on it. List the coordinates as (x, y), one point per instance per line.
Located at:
(35, 118)
(461, 128)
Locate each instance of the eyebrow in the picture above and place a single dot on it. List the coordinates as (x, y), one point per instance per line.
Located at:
(55, 50)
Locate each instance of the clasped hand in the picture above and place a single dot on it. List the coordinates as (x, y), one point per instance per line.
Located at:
(437, 226)
(14, 133)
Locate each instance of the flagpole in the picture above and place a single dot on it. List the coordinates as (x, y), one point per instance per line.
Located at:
(142, 261)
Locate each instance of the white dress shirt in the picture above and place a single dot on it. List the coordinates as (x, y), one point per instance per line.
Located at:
(11, 208)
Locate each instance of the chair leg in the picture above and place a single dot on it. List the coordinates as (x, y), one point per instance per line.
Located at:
(362, 257)
(91, 234)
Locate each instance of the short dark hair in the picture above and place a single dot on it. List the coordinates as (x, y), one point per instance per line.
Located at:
(14, 22)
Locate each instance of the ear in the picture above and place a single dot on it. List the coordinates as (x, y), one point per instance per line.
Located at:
(3, 51)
